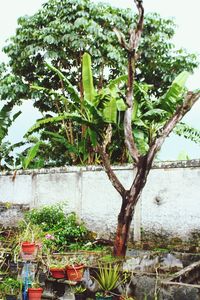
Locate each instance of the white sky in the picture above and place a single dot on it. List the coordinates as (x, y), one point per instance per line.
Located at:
(186, 15)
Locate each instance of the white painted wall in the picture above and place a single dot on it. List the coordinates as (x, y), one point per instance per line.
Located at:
(170, 200)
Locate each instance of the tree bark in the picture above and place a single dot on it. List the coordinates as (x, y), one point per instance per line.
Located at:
(129, 202)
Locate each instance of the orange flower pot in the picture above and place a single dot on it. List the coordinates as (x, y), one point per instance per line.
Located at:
(57, 272)
(75, 273)
(28, 247)
(35, 293)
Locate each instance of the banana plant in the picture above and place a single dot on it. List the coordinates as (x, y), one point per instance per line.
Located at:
(96, 110)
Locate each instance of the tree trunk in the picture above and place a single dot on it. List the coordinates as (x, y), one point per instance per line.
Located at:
(123, 226)
(129, 202)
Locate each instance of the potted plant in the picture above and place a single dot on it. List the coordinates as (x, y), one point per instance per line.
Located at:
(75, 267)
(30, 239)
(79, 292)
(11, 287)
(57, 270)
(108, 279)
(56, 267)
(35, 291)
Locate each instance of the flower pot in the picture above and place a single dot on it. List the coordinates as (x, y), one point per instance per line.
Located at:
(81, 296)
(75, 273)
(28, 248)
(11, 297)
(57, 272)
(104, 297)
(13, 267)
(35, 293)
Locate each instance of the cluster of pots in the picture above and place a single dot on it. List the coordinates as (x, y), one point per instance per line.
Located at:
(71, 272)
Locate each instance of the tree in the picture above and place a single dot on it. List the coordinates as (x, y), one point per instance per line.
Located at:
(153, 117)
(60, 33)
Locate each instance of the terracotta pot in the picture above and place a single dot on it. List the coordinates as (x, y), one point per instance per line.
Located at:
(35, 293)
(75, 273)
(28, 247)
(57, 272)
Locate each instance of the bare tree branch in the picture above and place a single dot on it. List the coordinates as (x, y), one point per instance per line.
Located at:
(113, 178)
(135, 35)
(190, 99)
(121, 38)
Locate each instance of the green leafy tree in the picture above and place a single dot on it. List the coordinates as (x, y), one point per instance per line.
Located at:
(60, 33)
(146, 124)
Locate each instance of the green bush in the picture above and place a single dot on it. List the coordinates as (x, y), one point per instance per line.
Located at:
(61, 229)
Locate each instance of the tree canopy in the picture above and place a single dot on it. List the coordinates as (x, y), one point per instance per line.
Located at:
(60, 32)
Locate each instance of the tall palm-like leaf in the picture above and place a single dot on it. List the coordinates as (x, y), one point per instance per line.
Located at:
(87, 78)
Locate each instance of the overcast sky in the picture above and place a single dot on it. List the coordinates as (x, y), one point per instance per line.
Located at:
(186, 15)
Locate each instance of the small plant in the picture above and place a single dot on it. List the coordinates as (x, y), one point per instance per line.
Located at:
(108, 279)
(79, 289)
(55, 262)
(30, 232)
(76, 260)
(11, 286)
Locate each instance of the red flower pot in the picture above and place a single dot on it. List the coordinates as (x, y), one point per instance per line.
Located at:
(35, 293)
(57, 272)
(75, 273)
(28, 248)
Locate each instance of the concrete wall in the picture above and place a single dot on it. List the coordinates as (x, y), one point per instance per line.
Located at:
(169, 202)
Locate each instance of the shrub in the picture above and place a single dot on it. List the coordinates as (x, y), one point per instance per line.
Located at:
(61, 229)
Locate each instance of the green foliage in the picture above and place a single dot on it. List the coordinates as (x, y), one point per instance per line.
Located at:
(108, 277)
(10, 286)
(87, 78)
(61, 230)
(187, 132)
(30, 232)
(60, 33)
(174, 94)
(149, 115)
(79, 289)
(31, 155)
(6, 120)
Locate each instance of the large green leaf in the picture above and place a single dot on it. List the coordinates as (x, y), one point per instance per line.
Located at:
(92, 112)
(73, 116)
(121, 105)
(31, 155)
(117, 81)
(110, 111)
(93, 136)
(175, 92)
(87, 77)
